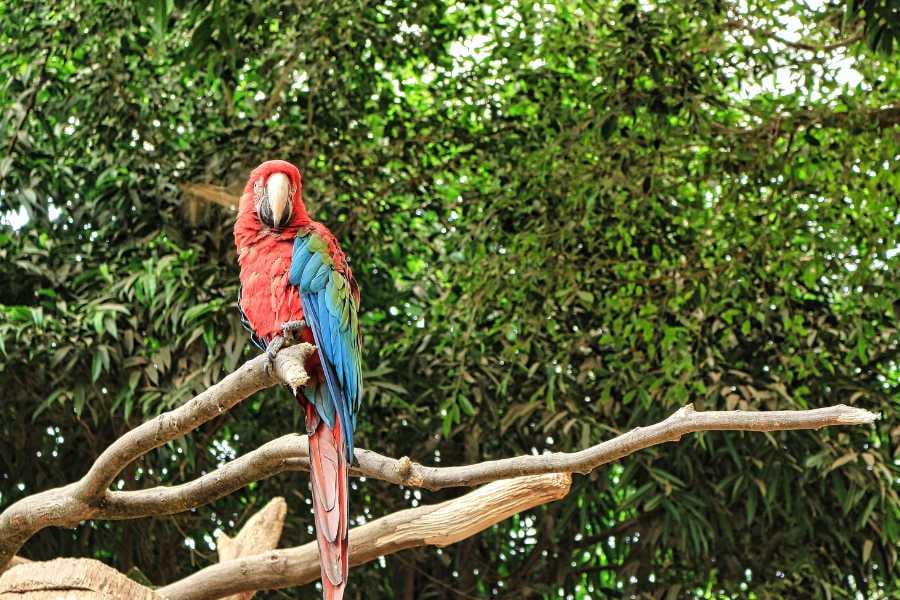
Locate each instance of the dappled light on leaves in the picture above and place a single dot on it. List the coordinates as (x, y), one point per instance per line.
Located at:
(568, 220)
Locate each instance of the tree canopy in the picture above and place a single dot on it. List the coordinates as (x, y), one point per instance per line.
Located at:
(567, 219)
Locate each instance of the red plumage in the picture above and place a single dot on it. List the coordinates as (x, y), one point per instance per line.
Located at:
(264, 255)
(267, 300)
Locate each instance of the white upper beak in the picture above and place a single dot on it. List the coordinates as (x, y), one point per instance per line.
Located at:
(278, 188)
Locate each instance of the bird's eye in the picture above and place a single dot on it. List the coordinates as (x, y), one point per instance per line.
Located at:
(258, 191)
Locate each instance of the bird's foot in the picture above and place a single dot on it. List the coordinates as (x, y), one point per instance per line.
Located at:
(271, 350)
(290, 329)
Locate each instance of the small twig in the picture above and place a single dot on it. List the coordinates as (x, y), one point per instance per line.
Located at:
(737, 24)
(881, 118)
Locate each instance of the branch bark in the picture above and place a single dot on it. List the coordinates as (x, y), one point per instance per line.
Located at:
(291, 453)
(210, 193)
(87, 498)
(797, 45)
(876, 118)
(88, 579)
(436, 525)
(15, 561)
(685, 420)
(72, 579)
(261, 532)
(90, 497)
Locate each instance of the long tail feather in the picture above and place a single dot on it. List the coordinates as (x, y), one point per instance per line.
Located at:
(329, 471)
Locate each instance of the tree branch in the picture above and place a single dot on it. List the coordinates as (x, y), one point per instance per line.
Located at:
(736, 24)
(13, 562)
(84, 578)
(71, 579)
(210, 193)
(436, 525)
(260, 533)
(683, 421)
(878, 118)
(41, 79)
(85, 499)
(291, 453)
(90, 497)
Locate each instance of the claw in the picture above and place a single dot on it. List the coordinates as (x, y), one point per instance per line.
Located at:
(289, 329)
(271, 350)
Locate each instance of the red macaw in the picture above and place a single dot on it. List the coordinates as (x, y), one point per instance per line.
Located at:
(295, 282)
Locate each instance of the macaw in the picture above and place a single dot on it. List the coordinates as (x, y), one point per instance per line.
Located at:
(296, 284)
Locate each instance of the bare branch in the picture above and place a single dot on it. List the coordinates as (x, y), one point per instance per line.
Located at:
(271, 458)
(72, 579)
(757, 31)
(13, 562)
(34, 91)
(88, 579)
(85, 499)
(436, 525)
(685, 420)
(210, 193)
(290, 452)
(261, 532)
(789, 123)
(90, 497)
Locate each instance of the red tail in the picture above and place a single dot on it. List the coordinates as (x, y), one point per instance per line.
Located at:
(329, 473)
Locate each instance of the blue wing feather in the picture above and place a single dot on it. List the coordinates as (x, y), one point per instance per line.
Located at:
(310, 270)
(330, 311)
(319, 280)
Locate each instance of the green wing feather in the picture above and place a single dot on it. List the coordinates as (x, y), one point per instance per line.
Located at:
(330, 309)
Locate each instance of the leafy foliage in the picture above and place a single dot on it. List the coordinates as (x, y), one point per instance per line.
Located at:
(568, 219)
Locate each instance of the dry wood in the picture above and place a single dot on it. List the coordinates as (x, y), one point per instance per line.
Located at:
(261, 532)
(437, 525)
(90, 497)
(810, 47)
(15, 561)
(210, 193)
(85, 499)
(87, 579)
(685, 420)
(69, 579)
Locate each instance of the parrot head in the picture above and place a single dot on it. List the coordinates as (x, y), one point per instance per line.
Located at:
(273, 192)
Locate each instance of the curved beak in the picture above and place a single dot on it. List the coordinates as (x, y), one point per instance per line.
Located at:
(278, 188)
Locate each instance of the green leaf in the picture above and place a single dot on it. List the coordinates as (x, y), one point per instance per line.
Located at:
(96, 366)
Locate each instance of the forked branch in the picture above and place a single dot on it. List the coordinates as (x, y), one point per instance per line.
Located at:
(88, 497)
(91, 498)
(435, 525)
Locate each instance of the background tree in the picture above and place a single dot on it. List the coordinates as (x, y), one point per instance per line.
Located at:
(568, 219)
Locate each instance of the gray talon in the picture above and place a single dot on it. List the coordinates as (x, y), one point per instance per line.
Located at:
(271, 350)
(290, 328)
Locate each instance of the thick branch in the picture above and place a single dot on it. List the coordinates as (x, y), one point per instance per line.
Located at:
(437, 525)
(269, 459)
(90, 498)
(86, 498)
(84, 579)
(260, 533)
(70, 579)
(13, 562)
